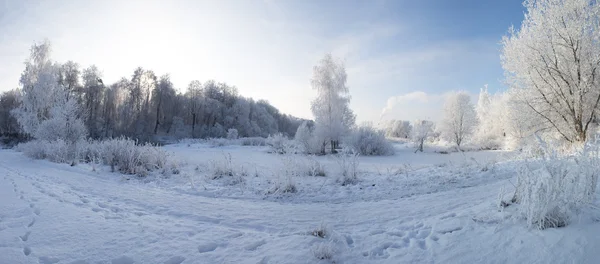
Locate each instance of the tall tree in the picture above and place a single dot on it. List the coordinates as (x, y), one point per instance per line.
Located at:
(194, 95)
(459, 119)
(555, 60)
(93, 89)
(39, 84)
(333, 116)
(163, 95)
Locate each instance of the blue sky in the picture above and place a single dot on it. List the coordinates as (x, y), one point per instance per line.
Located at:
(401, 56)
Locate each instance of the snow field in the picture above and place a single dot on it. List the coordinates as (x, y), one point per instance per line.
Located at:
(441, 209)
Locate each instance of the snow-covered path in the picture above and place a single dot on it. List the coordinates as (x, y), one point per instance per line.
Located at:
(54, 213)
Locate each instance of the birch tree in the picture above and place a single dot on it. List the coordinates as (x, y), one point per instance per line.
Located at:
(333, 116)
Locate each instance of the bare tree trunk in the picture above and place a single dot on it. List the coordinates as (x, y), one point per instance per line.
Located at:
(193, 123)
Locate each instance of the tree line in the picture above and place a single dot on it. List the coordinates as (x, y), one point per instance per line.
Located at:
(144, 106)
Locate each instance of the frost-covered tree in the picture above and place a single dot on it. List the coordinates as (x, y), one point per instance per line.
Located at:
(398, 128)
(194, 96)
(421, 131)
(333, 116)
(162, 99)
(519, 120)
(459, 119)
(39, 82)
(93, 90)
(232, 133)
(554, 58)
(141, 106)
(63, 123)
(491, 112)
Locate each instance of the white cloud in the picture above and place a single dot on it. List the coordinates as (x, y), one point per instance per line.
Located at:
(411, 106)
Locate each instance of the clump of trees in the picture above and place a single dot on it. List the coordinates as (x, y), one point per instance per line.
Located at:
(68, 101)
(398, 129)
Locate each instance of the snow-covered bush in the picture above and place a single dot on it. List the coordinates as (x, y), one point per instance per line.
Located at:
(54, 129)
(304, 136)
(368, 141)
(285, 178)
(280, 144)
(127, 157)
(323, 251)
(556, 187)
(307, 141)
(59, 151)
(219, 142)
(232, 133)
(123, 155)
(314, 168)
(33, 149)
(56, 151)
(253, 141)
(300, 166)
(348, 162)
(224, 168)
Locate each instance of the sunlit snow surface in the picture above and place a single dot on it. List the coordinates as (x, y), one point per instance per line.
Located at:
(407, 208)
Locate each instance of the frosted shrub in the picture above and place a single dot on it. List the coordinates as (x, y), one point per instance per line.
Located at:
(307, 142)
(323, 251)
(224, 169)
(554, 188)
(285, 179)
(58, 151)
(253, 141)
(55, 151)
(125, 156)
(33, 149)
(368, 141)
(314, 168)
(232, 133)
(55, 129)
(219, 142)
(280, 144)
(348, 162)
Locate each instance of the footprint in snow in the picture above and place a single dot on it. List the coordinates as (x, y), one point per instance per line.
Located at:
(27, 251)
(207, 247)
(25, 237)
(349, 241)
(255, 245)
(48, 260)
(122, 260)
(79, 262)
(175, 260)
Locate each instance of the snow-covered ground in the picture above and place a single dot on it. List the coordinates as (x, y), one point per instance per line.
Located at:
(407, 208)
